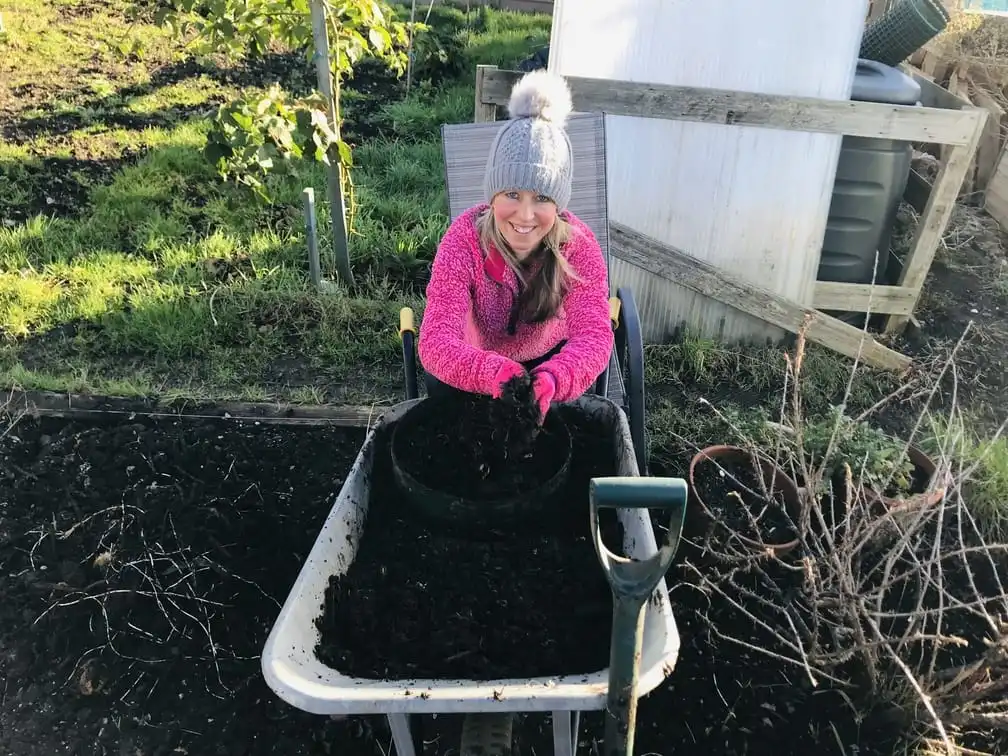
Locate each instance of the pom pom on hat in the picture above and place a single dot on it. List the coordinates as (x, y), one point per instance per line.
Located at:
(543, 95)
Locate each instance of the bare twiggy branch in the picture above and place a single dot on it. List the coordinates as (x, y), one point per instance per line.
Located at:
(898, 591)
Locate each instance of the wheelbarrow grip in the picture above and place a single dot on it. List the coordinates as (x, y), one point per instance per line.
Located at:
(638, 493)
(635, 579)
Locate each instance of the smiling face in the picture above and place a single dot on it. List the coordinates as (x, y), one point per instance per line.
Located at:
(523, 218)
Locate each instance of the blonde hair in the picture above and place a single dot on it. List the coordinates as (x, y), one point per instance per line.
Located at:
(540, 297)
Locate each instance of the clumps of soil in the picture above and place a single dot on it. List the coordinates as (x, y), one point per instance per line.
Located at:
(474, 446)
(734, 493)
(419, 602)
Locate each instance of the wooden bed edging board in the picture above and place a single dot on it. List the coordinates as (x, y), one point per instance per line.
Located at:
(79, 406)
(944, 119)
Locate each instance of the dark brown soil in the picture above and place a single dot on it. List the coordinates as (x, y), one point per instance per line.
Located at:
(963, 290)
(418, 602)
(734, 493)
(142, 566)
(243, 505)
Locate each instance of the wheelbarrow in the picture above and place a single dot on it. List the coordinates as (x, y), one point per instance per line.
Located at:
(645, 639)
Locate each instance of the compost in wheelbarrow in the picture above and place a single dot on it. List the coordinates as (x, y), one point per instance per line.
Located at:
(419, 601)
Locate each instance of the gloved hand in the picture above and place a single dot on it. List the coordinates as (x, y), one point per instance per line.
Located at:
(543, 388)
(507, 372)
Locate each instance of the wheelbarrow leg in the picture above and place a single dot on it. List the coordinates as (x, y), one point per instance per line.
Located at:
(402, 737)
(565, 732)
(632, 583)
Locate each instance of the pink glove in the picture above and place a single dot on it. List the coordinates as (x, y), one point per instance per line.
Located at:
(507, 371)
(543, 388)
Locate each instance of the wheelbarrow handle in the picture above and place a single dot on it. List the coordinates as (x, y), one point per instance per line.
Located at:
(626, 492)
(632, 582)
(638, 578)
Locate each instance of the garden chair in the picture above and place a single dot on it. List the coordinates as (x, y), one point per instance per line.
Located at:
(466, 147)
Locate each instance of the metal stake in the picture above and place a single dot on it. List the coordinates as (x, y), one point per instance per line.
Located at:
(311, 233)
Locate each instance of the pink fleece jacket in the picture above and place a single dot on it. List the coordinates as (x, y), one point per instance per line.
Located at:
(464, 337)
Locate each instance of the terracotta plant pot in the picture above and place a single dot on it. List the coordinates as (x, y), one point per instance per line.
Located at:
(775, 480)
(927, 470)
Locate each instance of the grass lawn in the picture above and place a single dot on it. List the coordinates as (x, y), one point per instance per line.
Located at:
(128, 268)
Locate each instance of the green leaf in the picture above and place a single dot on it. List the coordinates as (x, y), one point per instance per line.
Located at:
(215, 152)
(345, 155)
(379, 38)
(243, 120)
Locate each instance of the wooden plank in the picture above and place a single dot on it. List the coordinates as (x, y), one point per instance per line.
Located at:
(932, 225)
(527, 6)
(959, 87)
(521, 6)
(703, 105)
(675, 265)
(989, 149)
(935, 66)
(483, 111)
(853, 297)
(996, 197)
(51, 404)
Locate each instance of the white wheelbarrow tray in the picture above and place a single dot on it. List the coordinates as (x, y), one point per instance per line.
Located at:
(299, 678)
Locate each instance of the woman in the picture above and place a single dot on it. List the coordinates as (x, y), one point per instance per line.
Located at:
(519, 284)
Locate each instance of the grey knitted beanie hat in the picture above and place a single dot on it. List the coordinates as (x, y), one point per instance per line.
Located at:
(532, 150)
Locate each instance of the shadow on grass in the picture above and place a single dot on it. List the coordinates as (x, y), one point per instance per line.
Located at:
(59, 185)
(241, 337)
(54, 186)
(373, 85)
(112, 110)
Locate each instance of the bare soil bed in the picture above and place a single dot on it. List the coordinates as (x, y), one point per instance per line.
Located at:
(142, 565)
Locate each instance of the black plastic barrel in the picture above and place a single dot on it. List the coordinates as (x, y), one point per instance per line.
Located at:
(870, 179)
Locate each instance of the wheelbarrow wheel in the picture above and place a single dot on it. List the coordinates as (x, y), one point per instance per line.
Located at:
(487, 734)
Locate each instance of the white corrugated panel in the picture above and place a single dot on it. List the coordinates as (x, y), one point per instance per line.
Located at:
(750, 201)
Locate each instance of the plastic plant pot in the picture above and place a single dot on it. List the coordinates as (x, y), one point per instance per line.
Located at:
(927, 470)
(476, 513)
(776, 481)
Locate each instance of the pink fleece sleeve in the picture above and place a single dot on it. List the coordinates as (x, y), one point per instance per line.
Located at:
(442, 348)
(590, 342)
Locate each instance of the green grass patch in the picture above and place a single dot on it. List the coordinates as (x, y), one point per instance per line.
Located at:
(980, 466)
(750, 372)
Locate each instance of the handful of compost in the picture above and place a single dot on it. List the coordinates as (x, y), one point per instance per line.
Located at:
(511, 426)
(479, 447)
(503, 430)
(516, 416)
